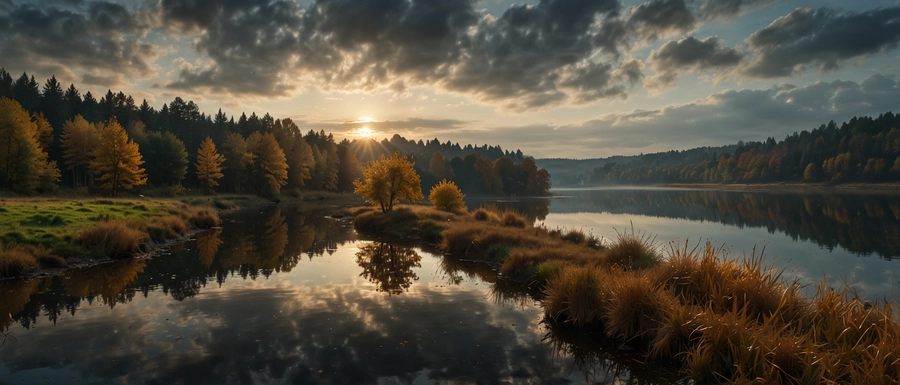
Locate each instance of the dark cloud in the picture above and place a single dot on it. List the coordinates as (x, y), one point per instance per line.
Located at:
(727, 9)
(103, 41)
(689, 54)
(822, 38)
(531, 56)
(722, 118)
(658, 18)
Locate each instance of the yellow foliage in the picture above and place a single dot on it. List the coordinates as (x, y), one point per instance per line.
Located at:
(116, 160)
(447, 197)
(389, 180)
(209, 164)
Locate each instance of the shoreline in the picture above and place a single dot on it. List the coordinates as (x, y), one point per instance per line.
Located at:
(800, 188)
(238, 203)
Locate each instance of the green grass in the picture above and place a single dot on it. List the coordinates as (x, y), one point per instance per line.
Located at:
(51, 230)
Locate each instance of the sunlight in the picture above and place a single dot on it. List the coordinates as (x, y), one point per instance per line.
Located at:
(365, 132)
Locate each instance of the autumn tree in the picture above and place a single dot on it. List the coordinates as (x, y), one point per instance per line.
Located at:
(23, 162)
(209, 165)
(447, 197)
(79, 138)
(387, 181)
(116, 160)
(269, 165)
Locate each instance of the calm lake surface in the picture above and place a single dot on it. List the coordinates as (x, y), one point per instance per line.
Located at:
(286, 295)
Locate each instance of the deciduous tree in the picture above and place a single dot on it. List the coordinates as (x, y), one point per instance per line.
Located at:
(389, 180)
(447, 197)
(117, 161)
(23, 163)
(79, 138)
(269, 163)
(209, 165)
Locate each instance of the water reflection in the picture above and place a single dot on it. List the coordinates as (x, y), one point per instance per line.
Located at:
(863, 224)
(388, 266)
(276, 296)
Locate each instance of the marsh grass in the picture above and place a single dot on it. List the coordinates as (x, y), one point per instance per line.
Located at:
(716, 318)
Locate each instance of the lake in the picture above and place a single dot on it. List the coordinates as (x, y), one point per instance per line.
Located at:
(288, 295)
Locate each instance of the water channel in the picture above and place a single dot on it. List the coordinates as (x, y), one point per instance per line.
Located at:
(289, 295)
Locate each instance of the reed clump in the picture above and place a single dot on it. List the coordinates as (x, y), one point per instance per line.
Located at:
(16, 260)
(717, 319)
(111, 238)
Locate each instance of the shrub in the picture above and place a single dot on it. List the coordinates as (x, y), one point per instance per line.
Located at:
(16, 260)
(446, 196)
(111, 238)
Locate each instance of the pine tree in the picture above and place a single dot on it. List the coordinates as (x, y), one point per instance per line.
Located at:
(209, 165)
(116, 160)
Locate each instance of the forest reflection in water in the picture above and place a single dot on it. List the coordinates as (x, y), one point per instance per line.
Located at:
(859, 223)
(285, 295)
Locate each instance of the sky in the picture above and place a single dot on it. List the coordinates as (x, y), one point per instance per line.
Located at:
(554, 78)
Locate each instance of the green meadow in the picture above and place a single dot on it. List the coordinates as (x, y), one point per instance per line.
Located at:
(42, 233)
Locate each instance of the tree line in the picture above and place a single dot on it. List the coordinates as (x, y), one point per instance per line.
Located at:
(863, 149)
(63, 137)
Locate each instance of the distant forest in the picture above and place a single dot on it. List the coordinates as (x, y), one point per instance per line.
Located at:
(57, 146)
(863, 149)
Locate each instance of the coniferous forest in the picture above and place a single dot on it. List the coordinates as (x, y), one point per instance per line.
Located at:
(54, 137)
(862, 150)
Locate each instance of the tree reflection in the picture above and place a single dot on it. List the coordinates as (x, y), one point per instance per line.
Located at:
(273, 241)
(106, 281)
(388, 266)
(208, 243)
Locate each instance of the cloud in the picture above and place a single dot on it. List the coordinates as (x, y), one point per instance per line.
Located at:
(403, 127)
(659, 18)
(718, 119)
(689, 54)
(532, 56)
(820, 38)
(104, 41)
(727, 9)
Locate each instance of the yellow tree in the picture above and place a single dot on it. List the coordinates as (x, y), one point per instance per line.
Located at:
(209, 165)
(78, 140)
(116, 160)
(23, 162)
(269, 163)
(389, 180)
(447, 197)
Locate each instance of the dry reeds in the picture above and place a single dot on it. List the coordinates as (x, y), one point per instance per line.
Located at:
(16, 260)
(718, 319)
(111, 238)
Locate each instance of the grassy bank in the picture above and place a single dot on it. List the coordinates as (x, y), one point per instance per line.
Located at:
(715, 319)
(49, 233)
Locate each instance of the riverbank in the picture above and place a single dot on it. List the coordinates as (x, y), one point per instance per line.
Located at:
(817, 188)
(715, 319)
(48, 236)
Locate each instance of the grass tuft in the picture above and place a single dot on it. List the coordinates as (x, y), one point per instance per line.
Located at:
(112, 238)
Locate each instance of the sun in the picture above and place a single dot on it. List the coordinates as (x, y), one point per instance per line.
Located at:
(365, 132)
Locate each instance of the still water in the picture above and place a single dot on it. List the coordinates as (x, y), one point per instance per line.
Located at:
(288, 295)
